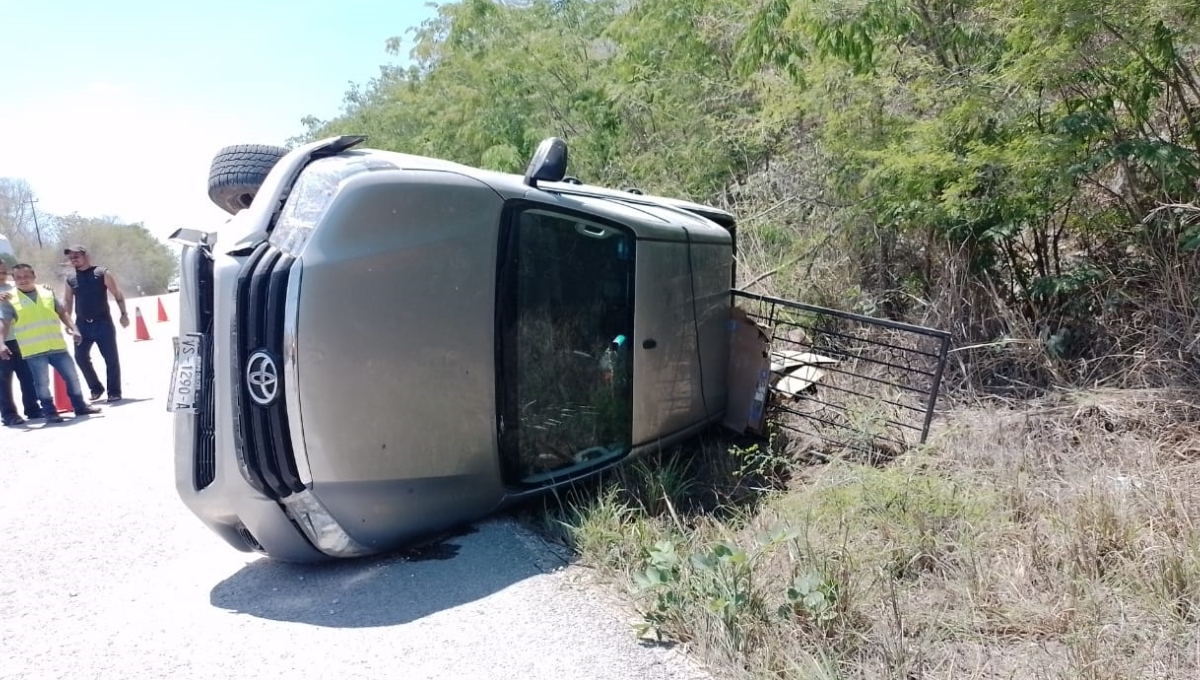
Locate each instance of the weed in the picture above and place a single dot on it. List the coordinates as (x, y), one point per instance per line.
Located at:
(659, 483)
(1176, 575)
(605, 528)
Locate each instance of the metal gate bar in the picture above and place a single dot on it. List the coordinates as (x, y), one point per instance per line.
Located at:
(887, 368)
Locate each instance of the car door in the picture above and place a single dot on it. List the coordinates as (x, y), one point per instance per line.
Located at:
(682, 343)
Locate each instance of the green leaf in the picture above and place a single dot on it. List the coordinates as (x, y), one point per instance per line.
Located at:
(815, 600)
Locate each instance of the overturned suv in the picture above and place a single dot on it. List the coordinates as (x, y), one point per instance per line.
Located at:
(379, 346)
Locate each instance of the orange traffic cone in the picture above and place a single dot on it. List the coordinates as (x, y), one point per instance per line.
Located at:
(62, 400)
(142, 333)
(162, 312)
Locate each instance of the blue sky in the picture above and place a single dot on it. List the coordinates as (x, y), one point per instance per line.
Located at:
(116, 108)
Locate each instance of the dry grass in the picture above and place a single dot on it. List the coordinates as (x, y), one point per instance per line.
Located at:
(1058, 538)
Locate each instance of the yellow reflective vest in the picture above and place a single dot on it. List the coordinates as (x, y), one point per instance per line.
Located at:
(38, 329)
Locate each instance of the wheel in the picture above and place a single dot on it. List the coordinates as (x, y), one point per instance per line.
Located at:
(238, 171)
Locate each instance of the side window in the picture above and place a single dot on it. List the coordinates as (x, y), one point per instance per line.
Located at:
(566, 307)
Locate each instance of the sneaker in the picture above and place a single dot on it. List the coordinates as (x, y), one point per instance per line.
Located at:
(89, 411)
(113, 400)
(97, 394)
(14, 421)
(54, 418)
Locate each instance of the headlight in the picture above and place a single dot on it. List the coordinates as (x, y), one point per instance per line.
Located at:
(316, 523)
(311, 197)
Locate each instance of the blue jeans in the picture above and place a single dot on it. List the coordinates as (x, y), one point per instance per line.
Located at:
(8, 368)
(61, 361)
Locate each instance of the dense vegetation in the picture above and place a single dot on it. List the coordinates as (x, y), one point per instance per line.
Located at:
(1022, 174)
(141, 263)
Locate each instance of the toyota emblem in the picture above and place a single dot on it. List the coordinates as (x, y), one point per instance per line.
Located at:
(262, 378)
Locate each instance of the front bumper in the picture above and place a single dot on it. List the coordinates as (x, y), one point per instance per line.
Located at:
(241, 466)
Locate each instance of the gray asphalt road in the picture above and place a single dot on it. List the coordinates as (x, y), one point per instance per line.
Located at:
(106, 575)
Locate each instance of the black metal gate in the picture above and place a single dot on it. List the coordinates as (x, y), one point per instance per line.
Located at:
(849, 381)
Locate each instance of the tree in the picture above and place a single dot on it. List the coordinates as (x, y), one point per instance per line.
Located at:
(1000, 168)
(142, 263)
(18, 221)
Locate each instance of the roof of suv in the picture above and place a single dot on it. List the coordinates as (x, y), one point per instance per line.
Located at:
(515, 184)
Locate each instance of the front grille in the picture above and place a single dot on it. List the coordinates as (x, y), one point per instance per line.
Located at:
(263, 446)
(248, 538)
(205, 460)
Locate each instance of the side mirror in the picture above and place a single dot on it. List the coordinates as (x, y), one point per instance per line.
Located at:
(191, 237)
(549, 163)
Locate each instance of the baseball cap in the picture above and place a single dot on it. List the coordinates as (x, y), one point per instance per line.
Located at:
(74, 249)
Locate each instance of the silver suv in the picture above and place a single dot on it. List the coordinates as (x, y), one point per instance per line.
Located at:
(380, 346)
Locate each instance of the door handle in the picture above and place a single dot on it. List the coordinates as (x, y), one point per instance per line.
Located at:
(649, 343)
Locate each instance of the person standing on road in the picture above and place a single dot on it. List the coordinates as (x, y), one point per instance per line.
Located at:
(13, 364)
(86, 295)
(39, 338)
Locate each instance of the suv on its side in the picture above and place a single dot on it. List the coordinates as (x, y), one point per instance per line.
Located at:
(380, 346)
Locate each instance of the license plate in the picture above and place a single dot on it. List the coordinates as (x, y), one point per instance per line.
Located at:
(185, 375)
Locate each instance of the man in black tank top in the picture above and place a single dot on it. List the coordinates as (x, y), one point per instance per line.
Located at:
(87, 296)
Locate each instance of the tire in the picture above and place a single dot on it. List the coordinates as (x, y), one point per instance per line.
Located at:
(238, 171)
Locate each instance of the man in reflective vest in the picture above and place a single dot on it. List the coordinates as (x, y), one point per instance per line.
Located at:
(39, 337)
(14, 364)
